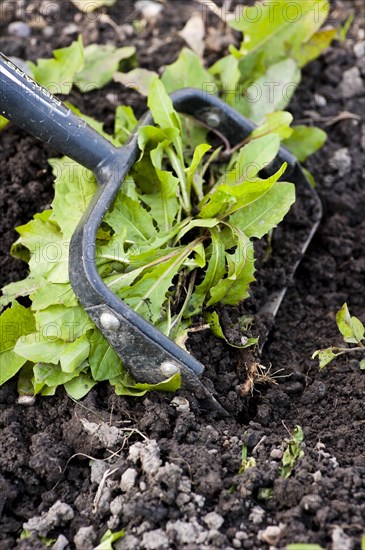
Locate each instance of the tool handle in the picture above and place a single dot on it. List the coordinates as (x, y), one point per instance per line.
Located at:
(36, 110)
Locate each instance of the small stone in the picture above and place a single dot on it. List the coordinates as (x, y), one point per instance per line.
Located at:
(70, 29)
(129, 542)
(148, 9)
(181, 404)
(271, 534)
(85, 538)
(236, 543)
(341, 161)
(98, 469)
(154, 540)
(351, 84)
(341, 541)
(311, 503)
(359, 49)
(241, 535)
(320, 100)
(26, 400)
(61, 543)
(213, 520)
(116, 506)
(277, 454)
(48, 32)
(257, 515)
(128, 480)
(20, 29)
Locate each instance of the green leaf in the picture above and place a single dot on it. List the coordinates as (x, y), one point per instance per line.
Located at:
(325, 356)
(51, 376)
(3, 122)
(163, 203)
(161, 106)
(75, 354)
(275, 123)
(186, 72)
(104, 362)
(212, 318)
(304, 141)
(362, 364)
(351, 328)
(292, 453)
(313, 48)
(38, 348)
(74, 188)
(65, 323)
(16, 322)
(215, 271)
(252, 158)
(267, 212)
(139, 80)
(128, 213)
(58, 74)
(79, 386)
(123, 387)
(271, 92)
(282, 29)
(125, 122)
(23, 287)
(101, 62)
(53, 294)
(148, 295)
(108, 538)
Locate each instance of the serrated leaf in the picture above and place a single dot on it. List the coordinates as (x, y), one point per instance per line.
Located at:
(272, 91)
(104, 362)
(38, 348)
(128, 213)
(164, 203)
(186, 72)
(283, 27)
(58, 74)
(252, 158)
(17, 321)
(101, 62)
(148, 295)
(139, 80)
(74, 188)
(351, 328)
(53, 294)
(24, 287)
(267, 212)
(215, 271)
(233, 288)
(124, 124)
(277, 123)
(304, 141)
(65, 323)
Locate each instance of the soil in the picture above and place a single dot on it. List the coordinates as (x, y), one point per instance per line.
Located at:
(165, 471)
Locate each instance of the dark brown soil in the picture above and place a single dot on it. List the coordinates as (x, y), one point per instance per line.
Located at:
(192, 468)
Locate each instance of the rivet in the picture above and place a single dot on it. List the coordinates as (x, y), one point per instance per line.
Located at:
(109, 321)
(213, 119)
(168, 368)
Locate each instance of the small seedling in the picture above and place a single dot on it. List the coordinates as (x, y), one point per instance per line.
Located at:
(353, 332)
(245, 461)
(292, 453)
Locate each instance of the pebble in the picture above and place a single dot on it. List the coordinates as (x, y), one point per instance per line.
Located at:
(61, 543)
(181, 404)
(213, 520)
(320, 100)
(359, 49)
(271, 534)
(341, 161)
(148, 9)
(20, 29)
(154, 540)
(276, 454)
(128, 479)
(257, 515)
(85, 538)
(241, 535)
(351, 84)
(236, 543)
(26, 400)
(341, 541)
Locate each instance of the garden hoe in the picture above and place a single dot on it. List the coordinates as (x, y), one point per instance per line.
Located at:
(148, 355)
